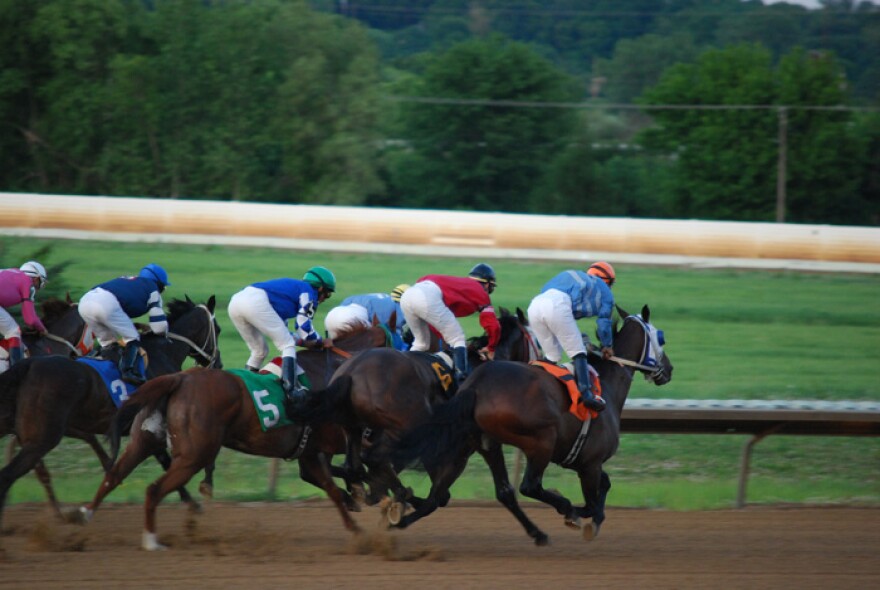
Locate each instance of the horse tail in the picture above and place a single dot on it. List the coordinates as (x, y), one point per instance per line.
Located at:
(328, 405)
(152, 395)
(10, 381)
(444, 437)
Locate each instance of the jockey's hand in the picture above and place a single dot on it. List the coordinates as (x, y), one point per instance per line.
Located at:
(327, 343)
(486, 354)
(43, 333)
(607, 352)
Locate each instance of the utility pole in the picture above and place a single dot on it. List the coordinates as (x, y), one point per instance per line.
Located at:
(781, 164)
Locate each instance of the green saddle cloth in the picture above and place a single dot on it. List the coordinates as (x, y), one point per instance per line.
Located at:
(268, 398)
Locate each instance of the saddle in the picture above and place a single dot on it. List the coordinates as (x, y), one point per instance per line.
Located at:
(565, 376)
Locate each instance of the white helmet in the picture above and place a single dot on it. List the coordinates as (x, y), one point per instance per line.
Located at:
(32, 268)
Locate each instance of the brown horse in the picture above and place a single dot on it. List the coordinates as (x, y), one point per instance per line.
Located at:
(524, 406)
(206, 410)
(44, 398)
(388, 392)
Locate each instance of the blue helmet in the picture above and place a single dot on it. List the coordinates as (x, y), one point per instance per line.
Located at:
(156, 273)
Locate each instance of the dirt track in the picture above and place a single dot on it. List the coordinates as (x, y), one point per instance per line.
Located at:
(463, 546)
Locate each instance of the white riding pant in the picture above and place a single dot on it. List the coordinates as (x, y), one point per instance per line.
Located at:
(552, 320)
(253, 317)
(101, 311)
(423, 306)
(345, 318)
(9, 328)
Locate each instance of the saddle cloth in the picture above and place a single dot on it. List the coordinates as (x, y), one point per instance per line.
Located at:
(109, 372)
(564, 375)
(268, 398)
(441, 363)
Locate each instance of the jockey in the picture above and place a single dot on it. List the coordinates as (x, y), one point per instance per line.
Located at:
(359, 310)
(436, 300)
(263, 309)
(20, 285)
(553, 314)
(109, 307)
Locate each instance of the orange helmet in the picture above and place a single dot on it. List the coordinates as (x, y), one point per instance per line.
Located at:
(604, 271)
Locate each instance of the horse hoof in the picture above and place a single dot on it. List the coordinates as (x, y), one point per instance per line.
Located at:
(150, 542)
(206, 490)
(590, 531)
(542, 540)
(195, 508)
(81, 515)
(574, 523)
(359, 494)
(395, 513)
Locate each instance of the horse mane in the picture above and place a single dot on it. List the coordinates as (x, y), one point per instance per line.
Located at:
(54, 309)
(506, 319)
(177, 308)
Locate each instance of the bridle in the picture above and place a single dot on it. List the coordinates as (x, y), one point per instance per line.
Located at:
(210, 338)
(652, 351)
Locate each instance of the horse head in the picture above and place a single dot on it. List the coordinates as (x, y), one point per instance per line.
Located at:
(64, 326)
(516, 342)
(639, 342)
(195, 325)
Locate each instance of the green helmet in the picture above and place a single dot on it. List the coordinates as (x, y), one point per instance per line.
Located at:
(319, 277)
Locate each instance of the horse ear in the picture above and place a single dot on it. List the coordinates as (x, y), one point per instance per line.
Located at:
(375, 320)
(522, 316)
(69, 300)
(188, 300)
(621, 312)
(392, 321)
(646, 314)
(212, 301)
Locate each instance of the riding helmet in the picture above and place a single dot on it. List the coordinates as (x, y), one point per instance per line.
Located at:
(484, 273)
(34, 269)
(397, 291)
(320, 277)
(604, 271)
(155, 272)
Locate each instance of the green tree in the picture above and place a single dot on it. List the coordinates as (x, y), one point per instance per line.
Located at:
(479, 156)
(727, 158)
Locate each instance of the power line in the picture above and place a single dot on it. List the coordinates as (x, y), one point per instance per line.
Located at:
(622, 106)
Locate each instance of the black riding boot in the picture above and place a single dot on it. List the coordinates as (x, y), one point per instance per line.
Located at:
(295, 393)
(15, 353)
(460, 364)
(582, 376)
(128, 364)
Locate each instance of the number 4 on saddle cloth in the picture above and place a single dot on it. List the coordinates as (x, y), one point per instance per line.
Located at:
(565, 376)
(109, 372)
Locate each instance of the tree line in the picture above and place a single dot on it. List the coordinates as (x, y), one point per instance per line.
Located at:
(562, 107)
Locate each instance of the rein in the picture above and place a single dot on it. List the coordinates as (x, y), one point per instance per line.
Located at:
(210, 338)
(646, 352)
(82, 346)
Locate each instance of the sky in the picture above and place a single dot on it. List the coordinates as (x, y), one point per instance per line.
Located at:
(807, 3)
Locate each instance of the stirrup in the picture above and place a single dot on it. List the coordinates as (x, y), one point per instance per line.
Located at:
(597, 404)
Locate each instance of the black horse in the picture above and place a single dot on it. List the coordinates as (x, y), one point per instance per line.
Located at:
(524, 406)
(44, 398)
(387, 392)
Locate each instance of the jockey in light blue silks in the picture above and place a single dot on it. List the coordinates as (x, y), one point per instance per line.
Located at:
(553, 314)
(109, 307)
(357, 311)
(262, 310)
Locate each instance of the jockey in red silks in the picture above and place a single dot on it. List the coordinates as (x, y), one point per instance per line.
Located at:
(436, 300)
(20, 285)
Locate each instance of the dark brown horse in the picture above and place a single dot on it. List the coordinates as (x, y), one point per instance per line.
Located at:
(388, 392)
(524, 406)
(44, 398)
(206, 410)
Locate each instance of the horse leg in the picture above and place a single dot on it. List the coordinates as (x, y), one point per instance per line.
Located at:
(504, 492)
(45, 478)
(206, 486)
(442, 479)
(595, 490)
(179, 472)
(315, 469)
(92, 441)
(26, 459)
(164, 460)
(307, 474)
(531, 486)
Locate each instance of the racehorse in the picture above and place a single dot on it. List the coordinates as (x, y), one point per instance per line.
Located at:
(44, 398)
(388, 392)
(525, 406)
(206, 409)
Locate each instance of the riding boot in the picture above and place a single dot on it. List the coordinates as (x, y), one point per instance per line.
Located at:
(15, 351)
(584, 384)
(128, 364)
(460, 364)
(295, 392)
